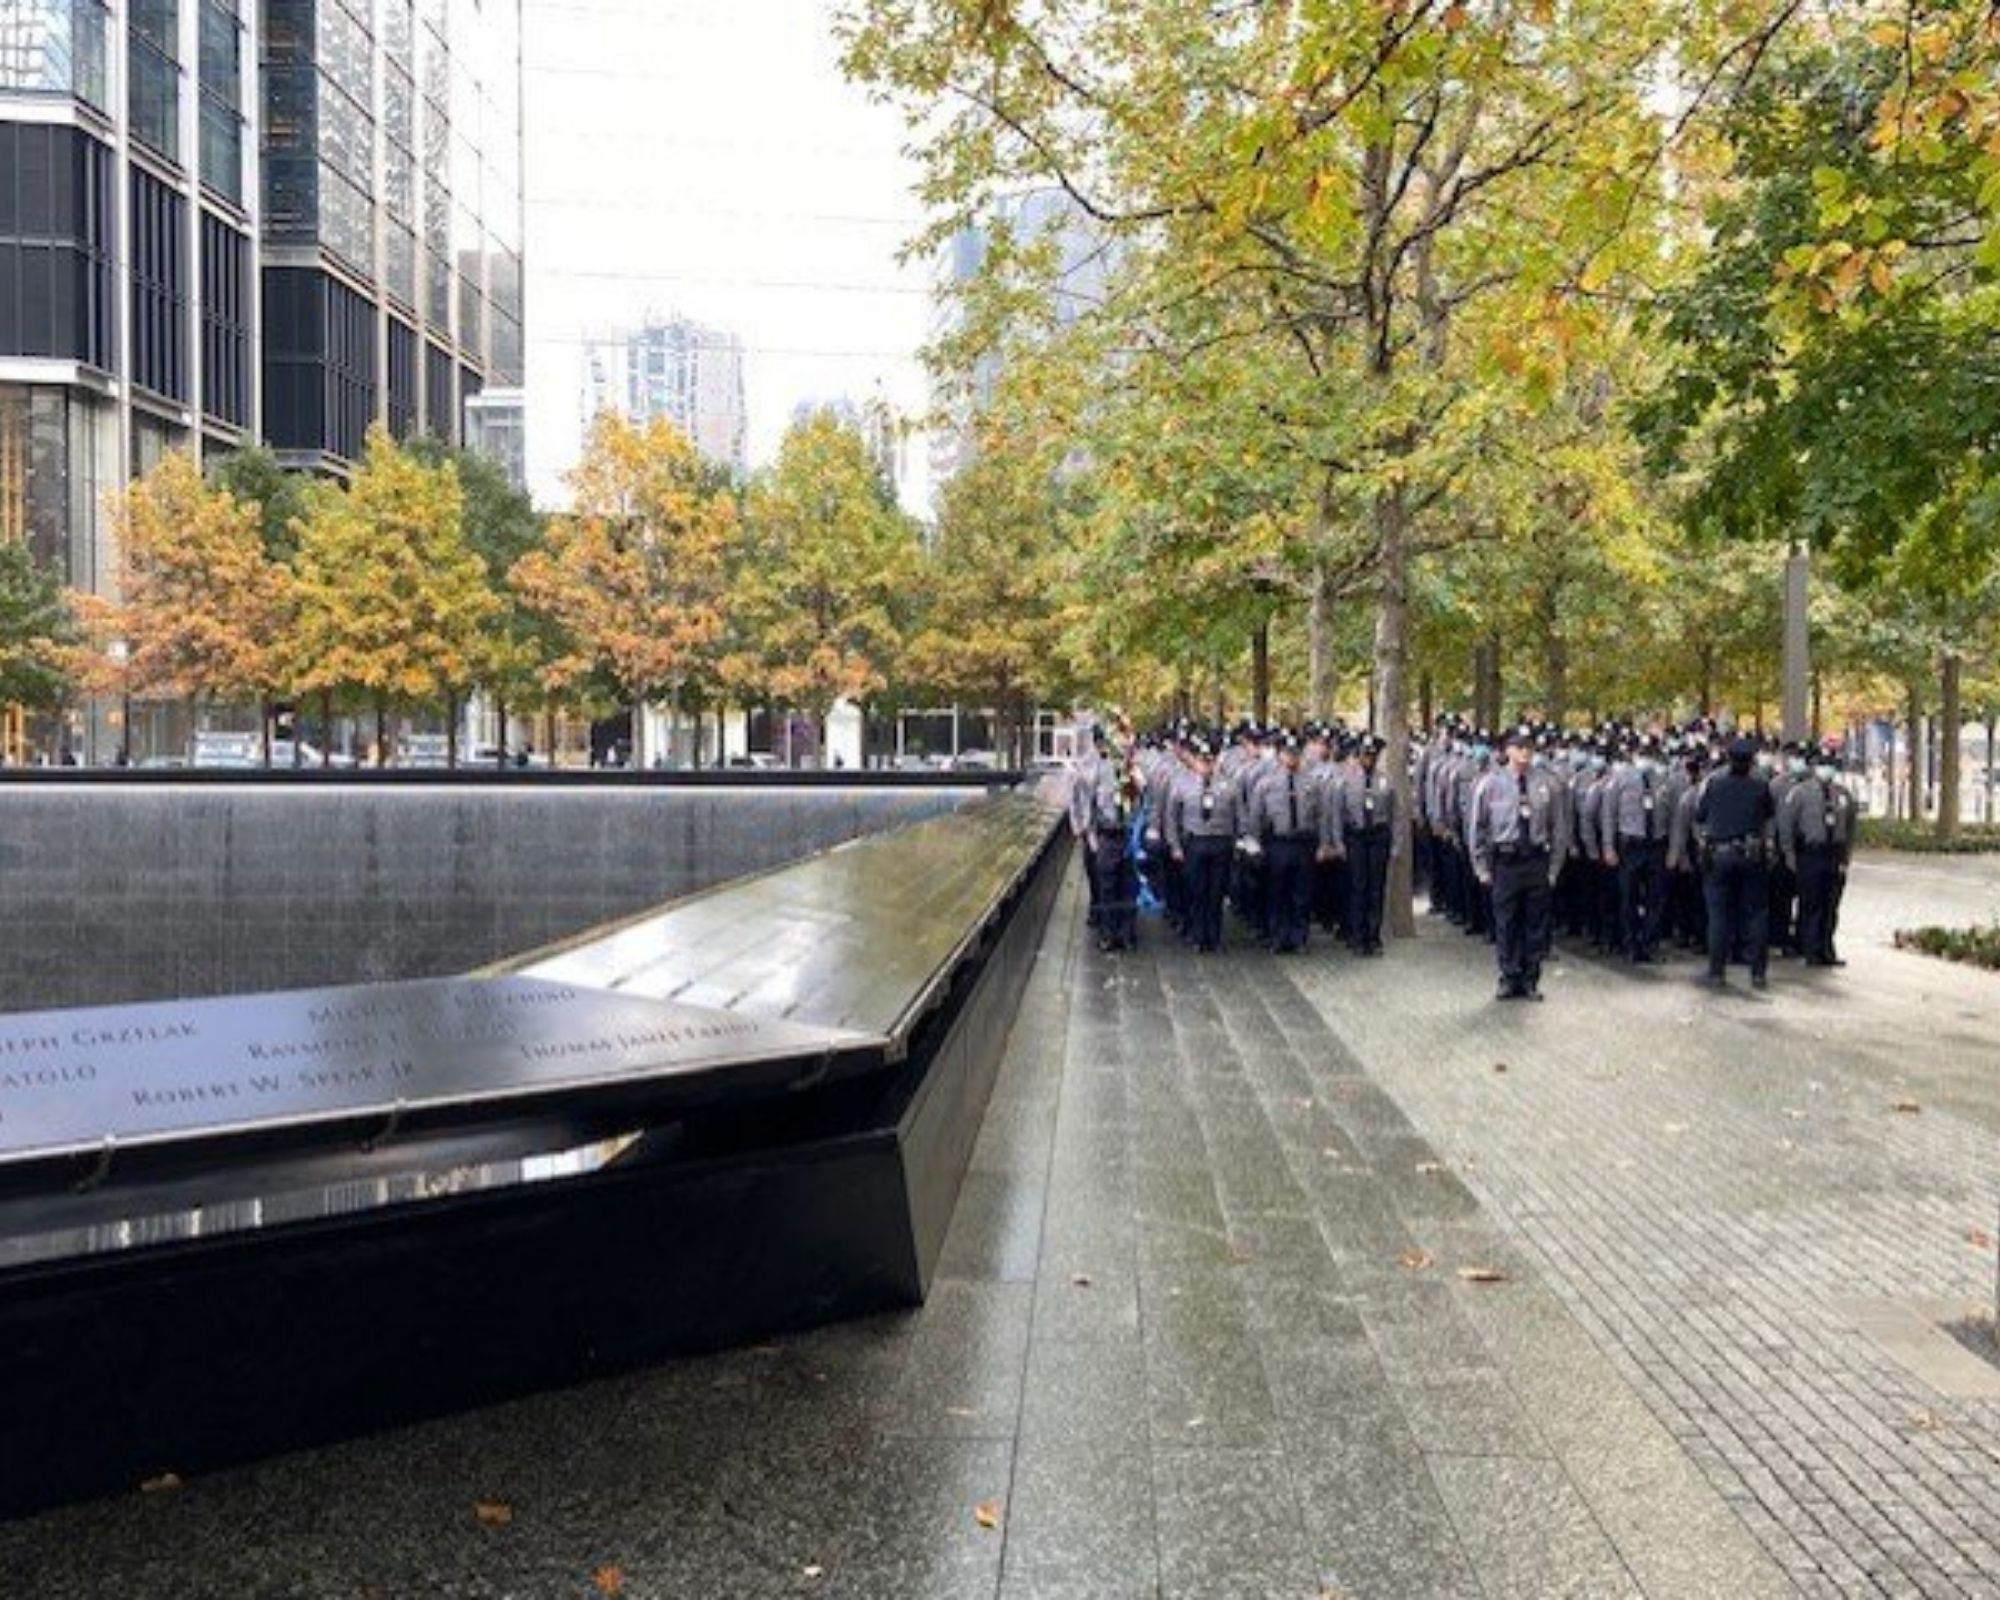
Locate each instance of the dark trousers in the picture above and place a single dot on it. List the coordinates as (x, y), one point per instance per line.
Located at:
(1738, 889)
(1208, 880)
(1090, 876)
(1784, 894)
(1117, 884)
(1475, 897)
(1249, 891)
(1687, 916)
(1173, 881)
(1290, 887)
(1605, 887)
(1642, 894)
(1822, 878)
(1367, 883)
(1444, 879)
(1522, 900)
(1574, 891)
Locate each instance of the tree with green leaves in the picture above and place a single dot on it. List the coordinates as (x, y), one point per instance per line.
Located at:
(1836, 356)
(826, 587)
(501, 526)
(1415, 206)
(995, 583)
(37, 632)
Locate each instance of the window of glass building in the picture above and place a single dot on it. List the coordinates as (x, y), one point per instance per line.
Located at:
(153, 61)
(53, 471)
(55, 47)
(222, 99)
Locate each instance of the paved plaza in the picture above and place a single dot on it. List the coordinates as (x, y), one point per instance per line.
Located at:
(1295, 1278)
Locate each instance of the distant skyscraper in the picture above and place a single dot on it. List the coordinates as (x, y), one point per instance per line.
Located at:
(1083, 275)
(679, 370)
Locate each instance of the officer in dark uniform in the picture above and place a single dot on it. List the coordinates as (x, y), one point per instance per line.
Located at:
(1287, 816)
(1816, 822)
(1202, 828)
(1519, 834)
(1111, 808)
(1369, 834)
(1733, 823)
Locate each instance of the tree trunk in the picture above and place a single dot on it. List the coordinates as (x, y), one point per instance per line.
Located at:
(1260, 670)
(381, 732)
(1426, 706)
(500, 740)
(451, 732)
(1496, 694)
(1391, 709)
(1818, 703)
(1951, 722)
(1992, 761)
(549, 733)
(264, 727)
(1914, 800)
(1555, 673)
(1705, 677)
(1319, 624)
(326, 727)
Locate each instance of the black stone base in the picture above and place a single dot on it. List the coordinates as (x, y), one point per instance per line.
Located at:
(193, 1356)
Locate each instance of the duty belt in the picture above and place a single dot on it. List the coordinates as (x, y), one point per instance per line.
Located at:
(1521, 852)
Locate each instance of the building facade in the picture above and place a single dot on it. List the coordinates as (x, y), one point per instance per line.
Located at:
(676, 369)
(225, 221)
(1082, 264)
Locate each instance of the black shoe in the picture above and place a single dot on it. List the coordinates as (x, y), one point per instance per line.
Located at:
(1714, 980)
(1759, 981)
(1507, 991)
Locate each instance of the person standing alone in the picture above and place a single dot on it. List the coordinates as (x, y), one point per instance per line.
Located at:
(1518, 835)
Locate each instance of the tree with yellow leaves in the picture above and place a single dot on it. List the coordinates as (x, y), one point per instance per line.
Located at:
(822, 601)
(995, 583)
(200, 604)
(393, 602)
(634, 577)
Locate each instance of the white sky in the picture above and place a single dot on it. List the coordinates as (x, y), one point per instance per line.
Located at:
(706, 157)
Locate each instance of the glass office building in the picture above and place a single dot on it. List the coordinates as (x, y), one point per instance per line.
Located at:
(224, 221)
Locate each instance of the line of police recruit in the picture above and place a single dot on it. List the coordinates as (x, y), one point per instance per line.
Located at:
(1635, 841)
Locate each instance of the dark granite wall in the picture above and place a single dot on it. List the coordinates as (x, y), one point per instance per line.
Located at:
(149, 892)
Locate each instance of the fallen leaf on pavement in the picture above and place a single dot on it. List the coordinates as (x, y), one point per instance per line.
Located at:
(1928, 1421)
(608, 1580)
(987, 1513)
(1979, 1239)
(165, 1483)
(1908, 1108)
(493, 1513)
(1482, 1274)
(1081, 1280)
(1499, 1066)
(1415, 1260)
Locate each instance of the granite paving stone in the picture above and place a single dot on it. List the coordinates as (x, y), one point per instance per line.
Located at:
(1199, 1327)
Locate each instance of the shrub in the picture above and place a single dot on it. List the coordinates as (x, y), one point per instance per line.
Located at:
(1978, 947)
(1920, 838)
